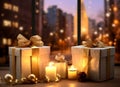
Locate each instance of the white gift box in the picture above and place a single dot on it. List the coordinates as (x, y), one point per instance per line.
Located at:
(24, 61)
(61, 69)
(80, 58)
(100, 64)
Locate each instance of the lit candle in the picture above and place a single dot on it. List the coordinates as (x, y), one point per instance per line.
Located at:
(51, 71)
(72, 72)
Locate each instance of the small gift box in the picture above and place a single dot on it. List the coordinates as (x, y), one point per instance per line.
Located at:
(80, 56)
(61, 65)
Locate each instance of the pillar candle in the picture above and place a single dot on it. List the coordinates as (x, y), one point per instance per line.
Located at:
(51, 71)
(72, 72)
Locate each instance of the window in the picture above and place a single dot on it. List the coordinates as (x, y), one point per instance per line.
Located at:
(7, 23)
(7, 6)
(15, 24)
(4, 41)
(15, 8)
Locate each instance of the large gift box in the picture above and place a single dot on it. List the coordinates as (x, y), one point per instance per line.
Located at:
(25, 61)
(100, 61)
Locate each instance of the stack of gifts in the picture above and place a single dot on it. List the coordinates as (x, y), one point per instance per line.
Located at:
(95, 59)
(29, 57)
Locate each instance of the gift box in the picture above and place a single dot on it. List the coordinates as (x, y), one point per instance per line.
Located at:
(80, 56)
(99, 61)
(20, 61)
(27, 60)
(61, 69)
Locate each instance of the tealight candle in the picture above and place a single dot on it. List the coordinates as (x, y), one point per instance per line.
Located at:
(51, 71)
(72, 72)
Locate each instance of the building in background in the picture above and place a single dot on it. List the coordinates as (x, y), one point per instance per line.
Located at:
(69, 28)
(39, 4)
(15, 18)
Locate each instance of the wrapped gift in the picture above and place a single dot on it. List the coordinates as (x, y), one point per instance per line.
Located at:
(101, 63)
(80, 58)
(61, 65)
(20, 61)
(61, 69)
(27, 60)
(40, 59)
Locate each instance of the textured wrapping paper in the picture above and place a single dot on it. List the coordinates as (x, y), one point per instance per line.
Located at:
(80, 58)
(24, 61)
(100, 61)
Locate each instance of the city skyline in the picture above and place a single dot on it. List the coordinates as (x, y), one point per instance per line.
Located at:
(69, 7)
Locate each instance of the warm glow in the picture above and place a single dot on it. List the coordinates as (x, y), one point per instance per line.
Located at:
(7, 6)
(95, 32)
(116, 21)
(21, 28)
(61, 31)
(115, 9)
(15, 8)
(108, 14)
(51, 63)
(4, 41)
(113, 25)
(15, 24)
(72, 68)
(7, 23)
(84, 64)
(51, 34)
(110, 43)
(9, 41)
(100, 28)
(37, 11)
(84, 20)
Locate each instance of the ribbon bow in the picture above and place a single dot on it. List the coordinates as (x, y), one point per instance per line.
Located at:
(35, 40)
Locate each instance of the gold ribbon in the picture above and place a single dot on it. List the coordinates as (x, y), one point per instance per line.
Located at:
(34, 41)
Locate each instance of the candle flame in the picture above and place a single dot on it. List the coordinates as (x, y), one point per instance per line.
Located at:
(51, 63)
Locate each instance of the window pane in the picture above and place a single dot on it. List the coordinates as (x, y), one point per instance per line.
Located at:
(60, 26)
